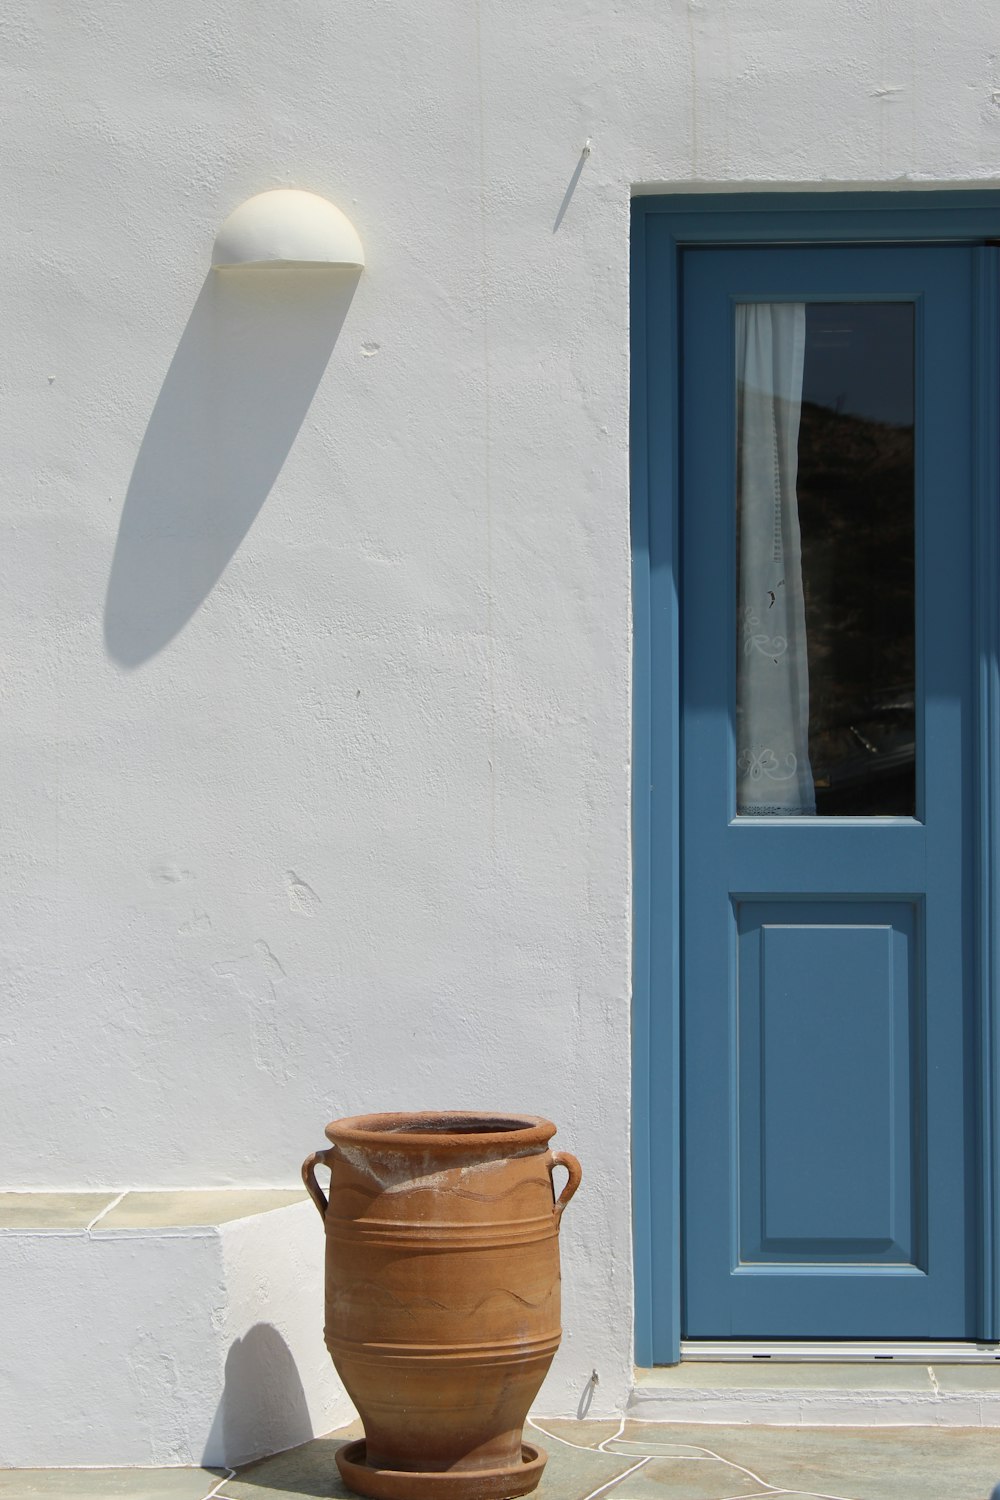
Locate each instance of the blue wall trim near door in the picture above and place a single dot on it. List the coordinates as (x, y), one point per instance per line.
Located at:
(661, 228)
(987, 637)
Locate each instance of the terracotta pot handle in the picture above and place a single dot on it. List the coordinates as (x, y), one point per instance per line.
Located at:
(564, 1159)
(309, 1178)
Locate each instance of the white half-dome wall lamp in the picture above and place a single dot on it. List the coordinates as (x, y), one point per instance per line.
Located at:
(287, 227)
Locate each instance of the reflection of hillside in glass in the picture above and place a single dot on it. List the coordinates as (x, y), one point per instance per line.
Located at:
(856, 508)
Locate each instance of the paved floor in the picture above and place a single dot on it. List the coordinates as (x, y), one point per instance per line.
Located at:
(644, 1461)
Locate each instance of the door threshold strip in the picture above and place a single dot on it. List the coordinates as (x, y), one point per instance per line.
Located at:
(842, 1351)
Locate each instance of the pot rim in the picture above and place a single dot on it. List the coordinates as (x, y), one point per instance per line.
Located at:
(441, 1130)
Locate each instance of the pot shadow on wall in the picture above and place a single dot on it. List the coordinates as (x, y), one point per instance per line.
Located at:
(263, 1407)
(235, 395)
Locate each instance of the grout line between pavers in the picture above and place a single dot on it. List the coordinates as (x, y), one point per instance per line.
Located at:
(614, 1437)
(692, 1457)
(706, 1454)
(731, 1463)
(603, 1488)
(580, 1447)
(757, 1495)
(818, 1495)
(215, 1493)
(668, 1458)
(771, 1489)
(106, 1210)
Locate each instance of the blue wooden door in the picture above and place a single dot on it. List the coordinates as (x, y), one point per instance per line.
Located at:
(827, 1076)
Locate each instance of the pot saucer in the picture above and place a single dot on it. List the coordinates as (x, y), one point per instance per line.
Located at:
(454, 1484)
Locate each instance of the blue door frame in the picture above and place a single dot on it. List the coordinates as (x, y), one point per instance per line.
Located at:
(661, 228)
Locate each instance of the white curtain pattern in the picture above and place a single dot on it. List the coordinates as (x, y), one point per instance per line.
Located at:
(773, 775)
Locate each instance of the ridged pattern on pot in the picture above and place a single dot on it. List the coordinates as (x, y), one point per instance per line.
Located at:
(393, 1268)
(442, 1290)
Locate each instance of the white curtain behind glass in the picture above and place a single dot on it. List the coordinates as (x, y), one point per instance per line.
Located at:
(773, 775)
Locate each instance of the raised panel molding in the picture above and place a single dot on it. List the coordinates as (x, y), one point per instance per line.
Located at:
(831, 1084)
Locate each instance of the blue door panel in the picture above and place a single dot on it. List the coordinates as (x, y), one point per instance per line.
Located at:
(828, 1092)
(830, 1078)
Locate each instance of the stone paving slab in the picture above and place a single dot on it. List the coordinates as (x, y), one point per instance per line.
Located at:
(310, 1473)
(196, 1207)
(579, 1434)
(688, 1479)
(848, 1463)
(648, 1461)
(27, 1211)
(108, 1484)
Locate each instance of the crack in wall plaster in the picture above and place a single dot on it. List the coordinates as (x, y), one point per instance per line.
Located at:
(269, 963)
(168, 874)
(254, 977)
(199, 922)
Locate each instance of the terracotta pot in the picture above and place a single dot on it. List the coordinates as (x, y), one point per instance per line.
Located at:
(442, 1295)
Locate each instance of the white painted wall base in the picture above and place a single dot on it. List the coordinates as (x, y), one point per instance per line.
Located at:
(843, 1395)
(129, 1342)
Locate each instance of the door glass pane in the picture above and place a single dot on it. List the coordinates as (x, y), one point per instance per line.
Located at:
(825, 717)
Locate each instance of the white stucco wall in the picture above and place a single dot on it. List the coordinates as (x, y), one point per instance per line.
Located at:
(315, 610)
(176, 1344)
